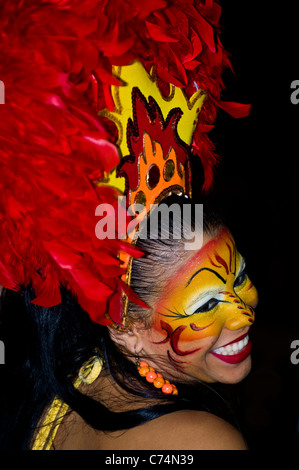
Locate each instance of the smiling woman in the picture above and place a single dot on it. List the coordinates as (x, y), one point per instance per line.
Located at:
(201, 307)
(195, 333)
(114, 340)
(202, 317)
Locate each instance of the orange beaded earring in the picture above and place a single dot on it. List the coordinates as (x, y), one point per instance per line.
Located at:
(156, 378)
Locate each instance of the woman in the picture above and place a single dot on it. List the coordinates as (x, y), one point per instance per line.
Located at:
(194, 334)
(108, 99)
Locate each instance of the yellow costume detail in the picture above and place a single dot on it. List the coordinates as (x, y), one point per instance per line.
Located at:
(135, 75)
(155, 134)
(47, 431)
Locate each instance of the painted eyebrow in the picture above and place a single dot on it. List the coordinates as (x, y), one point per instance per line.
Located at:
(205, 269)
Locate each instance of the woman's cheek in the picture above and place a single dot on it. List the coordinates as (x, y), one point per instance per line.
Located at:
(184, 338)
(197, 330)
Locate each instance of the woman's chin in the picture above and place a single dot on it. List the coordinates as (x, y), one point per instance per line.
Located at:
(235, 373)
(223, 372)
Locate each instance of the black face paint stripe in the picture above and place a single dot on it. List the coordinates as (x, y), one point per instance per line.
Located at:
(206, 269)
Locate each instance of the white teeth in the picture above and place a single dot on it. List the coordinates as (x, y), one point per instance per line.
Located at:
(232, 349)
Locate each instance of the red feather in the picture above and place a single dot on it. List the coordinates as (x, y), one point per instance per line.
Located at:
(56, 61)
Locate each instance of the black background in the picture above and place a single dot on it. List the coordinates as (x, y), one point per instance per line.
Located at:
(256, 188)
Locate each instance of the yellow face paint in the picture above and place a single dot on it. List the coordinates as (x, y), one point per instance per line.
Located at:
(207, 305)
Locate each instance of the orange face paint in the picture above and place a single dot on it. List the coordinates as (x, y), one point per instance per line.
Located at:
(202, 318)
(206, 305)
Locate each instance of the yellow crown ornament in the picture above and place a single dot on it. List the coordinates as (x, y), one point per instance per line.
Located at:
(154, 139)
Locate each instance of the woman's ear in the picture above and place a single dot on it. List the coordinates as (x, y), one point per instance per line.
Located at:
(130, 339)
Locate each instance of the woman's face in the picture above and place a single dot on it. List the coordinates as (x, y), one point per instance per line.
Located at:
(202, 319)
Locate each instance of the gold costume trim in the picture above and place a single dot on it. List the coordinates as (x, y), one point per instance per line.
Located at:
(47, 431)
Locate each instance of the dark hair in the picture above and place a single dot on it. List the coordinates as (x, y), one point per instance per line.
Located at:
(163, 253)
(45, 348)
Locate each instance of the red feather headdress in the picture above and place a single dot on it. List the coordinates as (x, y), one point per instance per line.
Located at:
(56, 62)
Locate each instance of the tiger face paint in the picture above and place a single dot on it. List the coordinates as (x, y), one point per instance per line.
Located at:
(203, 316)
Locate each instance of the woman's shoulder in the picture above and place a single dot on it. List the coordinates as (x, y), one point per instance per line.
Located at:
(179, 430)
(188, 430)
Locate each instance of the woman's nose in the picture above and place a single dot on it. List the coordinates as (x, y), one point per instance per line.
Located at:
(238, 313)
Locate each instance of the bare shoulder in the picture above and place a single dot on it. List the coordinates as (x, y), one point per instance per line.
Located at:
(192, 430)
(180, 430)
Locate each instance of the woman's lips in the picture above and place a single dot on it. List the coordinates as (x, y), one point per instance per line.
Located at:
(234, 352)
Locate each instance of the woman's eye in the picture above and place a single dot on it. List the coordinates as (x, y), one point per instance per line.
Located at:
(207, 306)
(240, 279)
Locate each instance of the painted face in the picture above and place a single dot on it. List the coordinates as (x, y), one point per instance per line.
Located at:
(203, 316)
